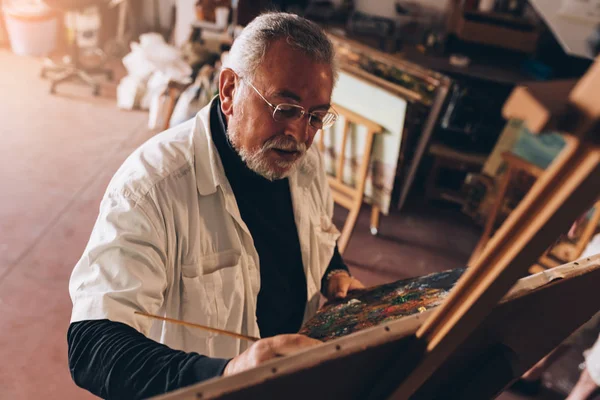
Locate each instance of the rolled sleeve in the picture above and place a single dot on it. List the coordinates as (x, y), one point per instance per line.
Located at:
(123, 268)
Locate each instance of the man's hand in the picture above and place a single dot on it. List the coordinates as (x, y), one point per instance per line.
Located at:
(267, 349)
(340, 283)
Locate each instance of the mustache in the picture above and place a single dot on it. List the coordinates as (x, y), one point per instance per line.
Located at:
(283, 142)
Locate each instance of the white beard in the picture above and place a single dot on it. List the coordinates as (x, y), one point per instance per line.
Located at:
(258, 161)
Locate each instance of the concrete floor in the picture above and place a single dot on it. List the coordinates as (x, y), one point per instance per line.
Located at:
(57, 155)
(56, 158)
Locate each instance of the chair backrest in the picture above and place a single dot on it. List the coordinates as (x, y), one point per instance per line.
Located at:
(351, 118)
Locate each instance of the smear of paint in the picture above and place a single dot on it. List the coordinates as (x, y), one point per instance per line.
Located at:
(371, 307)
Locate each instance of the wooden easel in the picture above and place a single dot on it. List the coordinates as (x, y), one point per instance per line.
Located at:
(474, 344)
(351, 197)
(369, 364)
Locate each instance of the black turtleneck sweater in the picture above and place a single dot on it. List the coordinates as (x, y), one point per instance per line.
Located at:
(113, 360)
(266, 208)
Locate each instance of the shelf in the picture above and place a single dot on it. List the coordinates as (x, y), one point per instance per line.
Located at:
(494, 29)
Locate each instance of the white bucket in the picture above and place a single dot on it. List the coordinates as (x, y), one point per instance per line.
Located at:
(221, 17)
(31, 34)
(86, 26)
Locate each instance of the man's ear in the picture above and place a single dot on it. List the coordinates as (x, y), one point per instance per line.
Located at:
(228, 81)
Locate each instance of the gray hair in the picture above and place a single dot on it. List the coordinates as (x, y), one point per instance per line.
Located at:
(249, 48)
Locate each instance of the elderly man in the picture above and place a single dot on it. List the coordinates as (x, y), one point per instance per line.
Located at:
(223, 221)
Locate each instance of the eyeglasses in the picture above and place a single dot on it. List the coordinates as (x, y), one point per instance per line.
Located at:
(285, 112)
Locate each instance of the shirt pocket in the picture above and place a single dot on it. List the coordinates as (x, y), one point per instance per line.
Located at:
(207, 284)
(211, 263)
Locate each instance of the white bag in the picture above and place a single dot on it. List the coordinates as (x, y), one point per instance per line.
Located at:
(157, 112)
(194, 98)
(129, 92)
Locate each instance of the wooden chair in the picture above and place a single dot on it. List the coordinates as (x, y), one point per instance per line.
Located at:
(563, 251)
(351, 197)
(445, 157)
(515, 166)
(569, 249)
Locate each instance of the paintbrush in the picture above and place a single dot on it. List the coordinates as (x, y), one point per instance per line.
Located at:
(198, 326)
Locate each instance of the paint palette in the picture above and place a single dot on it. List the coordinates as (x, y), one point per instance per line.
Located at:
(373, 306)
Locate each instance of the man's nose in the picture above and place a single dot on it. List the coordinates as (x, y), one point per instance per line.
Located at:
(299, 129)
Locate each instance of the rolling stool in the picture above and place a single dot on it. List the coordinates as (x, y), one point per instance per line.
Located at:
(72, 68)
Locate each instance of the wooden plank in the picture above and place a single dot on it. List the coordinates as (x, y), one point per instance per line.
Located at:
(429, 76)
(342, 154)
(343, 200)
(342, 187)
(398, 90)
(356, 118)
(364, 164)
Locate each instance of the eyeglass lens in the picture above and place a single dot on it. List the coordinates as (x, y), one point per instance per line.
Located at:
(289, 112)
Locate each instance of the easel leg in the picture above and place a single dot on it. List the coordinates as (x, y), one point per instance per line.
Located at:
(491, 219)
(374, 220)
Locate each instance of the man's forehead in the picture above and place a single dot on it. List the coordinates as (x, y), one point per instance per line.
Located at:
(315, 98)
(291, 68)
(315, 88)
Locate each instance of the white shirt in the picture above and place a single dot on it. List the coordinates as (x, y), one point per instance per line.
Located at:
(169, 240)
(592, 361)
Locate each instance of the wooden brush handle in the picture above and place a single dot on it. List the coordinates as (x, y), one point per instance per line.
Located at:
(198, 326)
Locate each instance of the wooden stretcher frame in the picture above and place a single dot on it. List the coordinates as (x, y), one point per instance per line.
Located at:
(414, 355)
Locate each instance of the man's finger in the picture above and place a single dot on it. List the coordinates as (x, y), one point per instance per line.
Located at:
(356, 284)
(284, 345)
(342, 287)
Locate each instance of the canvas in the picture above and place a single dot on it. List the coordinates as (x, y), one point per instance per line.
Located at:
(380, 304)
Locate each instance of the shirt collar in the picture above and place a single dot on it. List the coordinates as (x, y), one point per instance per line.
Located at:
(209, 169)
